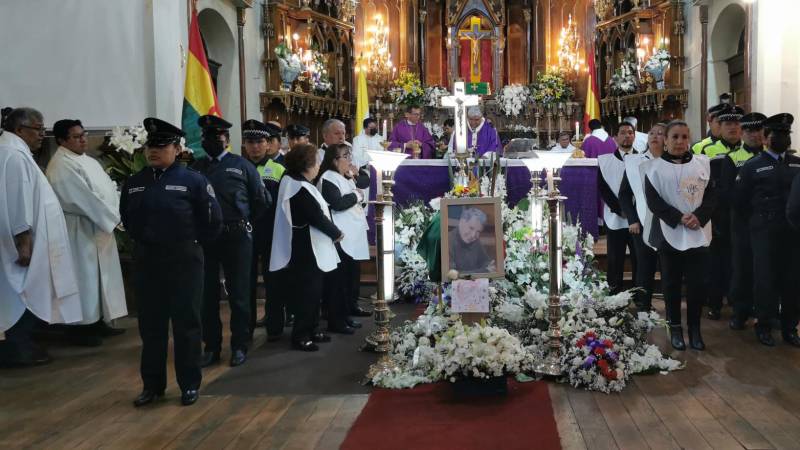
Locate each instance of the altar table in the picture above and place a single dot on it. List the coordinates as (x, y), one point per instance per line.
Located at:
(426, 179)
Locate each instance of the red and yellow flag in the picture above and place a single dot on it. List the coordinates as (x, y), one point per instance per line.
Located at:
(592, 109)
(199, 97)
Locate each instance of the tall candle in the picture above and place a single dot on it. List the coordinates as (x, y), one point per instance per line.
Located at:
(577, 130)
(550, 182)
(385, 136)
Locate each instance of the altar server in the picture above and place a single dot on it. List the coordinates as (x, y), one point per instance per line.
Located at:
(167, 209)
(369, 139)
(90, 202)
(681, 199)
(37, 276)
(481, 135)
(242, 197)
(303, 247)
(634, 204)
(612, 170)
(740, 294)
(762, 190)
(412, 131)
(346, 202)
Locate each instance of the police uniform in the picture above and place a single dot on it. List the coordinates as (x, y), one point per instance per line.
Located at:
(719, 270)
(740, 295)
(243, 200)
(271, 170)
(296, 131)
(762, 188)
(697, 148)
(166, 213)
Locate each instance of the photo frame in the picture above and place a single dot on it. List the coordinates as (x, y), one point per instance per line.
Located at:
(472, 237)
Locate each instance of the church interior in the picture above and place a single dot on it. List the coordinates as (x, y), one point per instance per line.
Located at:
(539, 347)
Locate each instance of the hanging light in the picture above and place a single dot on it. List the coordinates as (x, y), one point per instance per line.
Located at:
(569, 59)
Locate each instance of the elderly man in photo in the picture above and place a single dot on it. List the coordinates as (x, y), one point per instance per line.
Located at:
(481, 134)
(466, 253)
(90, 202)
(37, 278)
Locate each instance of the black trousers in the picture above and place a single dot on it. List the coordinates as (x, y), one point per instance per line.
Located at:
(275, 308)
(678, 267)
(646, 262)
(259, 266)
(18, 344)
(775, 256)
(340, 295)
(169, 288)
(233, 250)
(301, 288)
(719, 270)
(741, 290)
(617, 242)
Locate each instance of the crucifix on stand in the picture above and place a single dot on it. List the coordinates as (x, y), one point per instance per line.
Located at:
(460, 101)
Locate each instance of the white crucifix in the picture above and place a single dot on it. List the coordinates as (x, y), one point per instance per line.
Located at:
(460, 101)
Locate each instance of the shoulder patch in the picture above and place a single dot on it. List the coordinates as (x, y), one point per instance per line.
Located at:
(210, 190)
(234, 170)
(136, 189)
(761, 169)
(172, 187)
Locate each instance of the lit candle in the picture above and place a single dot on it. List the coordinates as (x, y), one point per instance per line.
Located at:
(385, 136)
(550, 182)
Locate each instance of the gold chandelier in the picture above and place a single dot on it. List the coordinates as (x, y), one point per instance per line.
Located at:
(376, 56)
(569, 60)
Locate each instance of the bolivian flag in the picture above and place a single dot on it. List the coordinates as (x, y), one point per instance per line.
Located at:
(199, 97)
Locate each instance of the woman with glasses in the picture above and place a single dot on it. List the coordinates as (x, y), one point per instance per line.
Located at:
(340, 187)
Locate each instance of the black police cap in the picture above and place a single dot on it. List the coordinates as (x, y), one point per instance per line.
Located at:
(753, 121)
(714, 110)
(779, 122)
(730, 113)
(161, 133)
(213, 123)
(253, 129)
(296, 131)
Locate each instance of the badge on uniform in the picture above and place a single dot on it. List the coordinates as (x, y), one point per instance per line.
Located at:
(234, 170)
(761, 169)
(136, 189)
(171, 187)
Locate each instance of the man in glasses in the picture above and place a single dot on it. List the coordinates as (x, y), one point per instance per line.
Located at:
(37, 278)
(90, 202)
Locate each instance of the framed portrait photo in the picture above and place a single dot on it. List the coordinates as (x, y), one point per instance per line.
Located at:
(472, 238)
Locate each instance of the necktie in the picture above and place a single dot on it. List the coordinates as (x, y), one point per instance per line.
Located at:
(157, 173)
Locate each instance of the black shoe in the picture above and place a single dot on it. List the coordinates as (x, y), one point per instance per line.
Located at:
(105, 330)
(714, 314)
(695, 339)
(791, 338)
(306, 346)
(676, 337)
(238, 357)
(320, 337)
(146, 397)
(353, 323)
(209, 359)
(765, 337)
(342, 330)
(737, 323)
(359, 312)
(189, 397)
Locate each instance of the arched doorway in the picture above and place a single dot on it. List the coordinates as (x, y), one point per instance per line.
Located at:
(221, 51)
(727, 55)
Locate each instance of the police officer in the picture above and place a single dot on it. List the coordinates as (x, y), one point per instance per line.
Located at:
(713, 129)
(740, 295)
(243, 200)
(762, 188)
(262, 144)
(167, 209)
(719, 270)
(297, 135)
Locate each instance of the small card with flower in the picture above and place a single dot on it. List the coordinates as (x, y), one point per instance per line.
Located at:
(470, 296)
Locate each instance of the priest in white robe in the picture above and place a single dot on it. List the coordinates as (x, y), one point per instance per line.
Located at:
(90, 202)
(37, 277)
(369, 139)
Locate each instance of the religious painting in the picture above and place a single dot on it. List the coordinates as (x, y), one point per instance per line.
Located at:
(472, 238)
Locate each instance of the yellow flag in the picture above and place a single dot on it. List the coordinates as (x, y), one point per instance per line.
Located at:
(362, 100)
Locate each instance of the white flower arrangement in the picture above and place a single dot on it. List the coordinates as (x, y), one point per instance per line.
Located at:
(659, 60)
(433, 96)
(434, 129)
(625, 80)
(519, 127)
(513, 98)
(128, 139)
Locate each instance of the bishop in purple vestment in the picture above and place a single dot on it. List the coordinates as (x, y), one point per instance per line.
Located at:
(487, 138)
(411, 129)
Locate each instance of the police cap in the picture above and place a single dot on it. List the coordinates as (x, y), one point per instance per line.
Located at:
(296, 131)
(161, 133)
(253, 130)
(213, 124)
(730, 113)
(714, 110)
(779, 122)
(753, 121)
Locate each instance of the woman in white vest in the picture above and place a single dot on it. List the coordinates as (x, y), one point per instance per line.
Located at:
(681, 200)
(303, 245)
(338, 186)
(634, 204)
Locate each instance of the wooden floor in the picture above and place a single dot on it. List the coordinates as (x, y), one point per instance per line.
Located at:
(737, 394)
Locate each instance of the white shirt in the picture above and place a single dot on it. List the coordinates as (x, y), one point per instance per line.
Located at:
(361, 144)
(640, 142)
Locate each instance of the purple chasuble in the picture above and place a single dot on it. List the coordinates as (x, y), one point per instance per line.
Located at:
(404, 132)
(593, 146)
(488, 140)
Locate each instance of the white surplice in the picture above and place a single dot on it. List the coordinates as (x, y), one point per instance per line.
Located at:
(47, 287)
(90, 202)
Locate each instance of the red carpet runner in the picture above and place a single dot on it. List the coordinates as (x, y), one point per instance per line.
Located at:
(431, 417)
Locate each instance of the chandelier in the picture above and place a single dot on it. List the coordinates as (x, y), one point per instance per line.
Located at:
(376, 57)
(569, 60)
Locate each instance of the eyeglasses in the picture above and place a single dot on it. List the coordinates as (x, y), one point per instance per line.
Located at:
(39, 130)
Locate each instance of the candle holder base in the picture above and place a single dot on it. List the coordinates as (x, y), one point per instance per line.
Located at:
(383, 364)
(549, 366)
